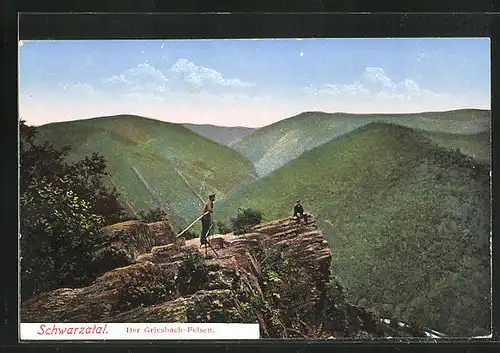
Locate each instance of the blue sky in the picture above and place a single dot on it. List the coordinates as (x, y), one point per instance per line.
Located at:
(249, 82)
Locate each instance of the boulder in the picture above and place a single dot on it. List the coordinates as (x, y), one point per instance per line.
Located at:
(124, 242)
(116, 291)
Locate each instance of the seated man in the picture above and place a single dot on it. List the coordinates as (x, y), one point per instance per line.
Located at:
(298, 212)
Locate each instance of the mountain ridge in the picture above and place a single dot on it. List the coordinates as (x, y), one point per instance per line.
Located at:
(158, 150)
(224, 135)
(272, 146)
(385, 194)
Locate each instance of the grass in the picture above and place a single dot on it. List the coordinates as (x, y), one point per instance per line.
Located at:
(156, 149)
(401, 216)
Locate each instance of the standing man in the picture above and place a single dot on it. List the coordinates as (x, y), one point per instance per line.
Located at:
(206, 211)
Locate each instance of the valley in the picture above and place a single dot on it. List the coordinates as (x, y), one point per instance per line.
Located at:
(403, 200)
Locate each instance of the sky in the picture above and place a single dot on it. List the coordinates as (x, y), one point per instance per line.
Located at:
(249, 82)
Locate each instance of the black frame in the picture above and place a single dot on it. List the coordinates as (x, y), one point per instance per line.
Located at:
(222, 25)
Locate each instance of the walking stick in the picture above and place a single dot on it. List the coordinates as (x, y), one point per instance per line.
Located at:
(189, 226)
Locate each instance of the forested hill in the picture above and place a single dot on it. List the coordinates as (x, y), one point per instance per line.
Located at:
(408, 221)
(150, 161)
(272, 146)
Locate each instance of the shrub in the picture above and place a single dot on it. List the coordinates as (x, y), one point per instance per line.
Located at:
(193, 274)
(153, 215)
(245, 220)
(222, 228)
(58, 235)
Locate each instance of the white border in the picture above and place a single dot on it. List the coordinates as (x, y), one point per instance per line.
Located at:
(141, 331)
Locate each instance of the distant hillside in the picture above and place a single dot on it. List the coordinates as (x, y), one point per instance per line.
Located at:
(223, 135)
(408, 221)
(156, 150)
(273, 146)
(478, 145)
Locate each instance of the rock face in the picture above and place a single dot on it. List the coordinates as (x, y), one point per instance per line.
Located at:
(124, 242)
(239, 279)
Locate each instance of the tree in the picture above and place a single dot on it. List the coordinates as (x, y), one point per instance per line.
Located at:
(62, 207)
(85, 177)
(245, 220)
(153, 215)
(222, 228)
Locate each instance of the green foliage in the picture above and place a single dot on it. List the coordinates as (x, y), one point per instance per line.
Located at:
(222, 228)
(58, 232)
(193, 274)
(245, 220)
(206, 309)
(400, 213)
(62, 208)
(153, 215)
(85, 176)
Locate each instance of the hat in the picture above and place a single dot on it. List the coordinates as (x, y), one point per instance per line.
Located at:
(298, 201)
(211, 195)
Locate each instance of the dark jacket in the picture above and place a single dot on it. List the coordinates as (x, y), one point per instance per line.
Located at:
(298, 210)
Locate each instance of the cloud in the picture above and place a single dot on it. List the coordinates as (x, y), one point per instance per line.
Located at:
(78, 88)
(354, 89)
(142, 77)
(142, 96)
(200, 76)
(375, 91)
(375, 84)
(377, 75)
(147, 81)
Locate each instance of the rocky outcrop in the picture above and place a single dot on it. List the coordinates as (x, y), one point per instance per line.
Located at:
(167, 280)
(124, 242)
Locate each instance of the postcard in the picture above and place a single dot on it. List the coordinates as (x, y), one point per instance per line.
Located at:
(317, 189)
